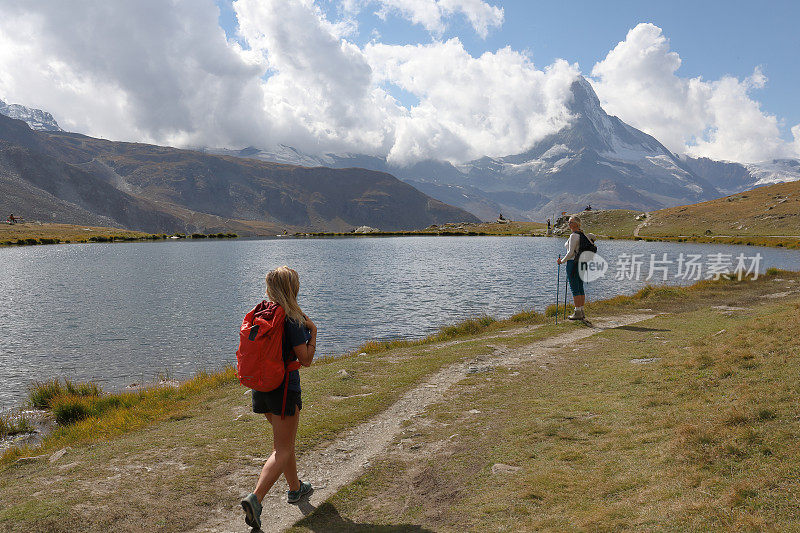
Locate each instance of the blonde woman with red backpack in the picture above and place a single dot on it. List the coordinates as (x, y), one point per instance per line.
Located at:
(281, 405)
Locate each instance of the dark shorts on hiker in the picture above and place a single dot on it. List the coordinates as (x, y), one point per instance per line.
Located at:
(272, 401)
(575, 281)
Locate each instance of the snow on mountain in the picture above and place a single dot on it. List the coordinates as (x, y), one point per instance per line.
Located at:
(732, 178)
(775, 171)
(36, 118)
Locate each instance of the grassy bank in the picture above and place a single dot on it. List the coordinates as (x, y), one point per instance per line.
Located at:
(28, 234)
(764, 216)
(449, 230)
(172, 456)
(685, 422)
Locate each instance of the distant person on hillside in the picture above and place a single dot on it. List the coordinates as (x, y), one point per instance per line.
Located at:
(11, 219)
(299, 343)
(573, 246)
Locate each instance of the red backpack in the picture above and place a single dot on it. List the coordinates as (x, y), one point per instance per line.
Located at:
(259, 359)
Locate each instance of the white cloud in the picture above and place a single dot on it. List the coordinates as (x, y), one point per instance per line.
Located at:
(796, 136)
(433, 14)
(637, 81)
(495, 104)
(165, 73)
(116, 70)
(319, 95)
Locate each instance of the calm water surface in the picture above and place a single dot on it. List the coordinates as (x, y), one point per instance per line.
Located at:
(121, 313)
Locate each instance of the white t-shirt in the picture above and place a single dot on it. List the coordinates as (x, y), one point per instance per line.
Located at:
(573, 242)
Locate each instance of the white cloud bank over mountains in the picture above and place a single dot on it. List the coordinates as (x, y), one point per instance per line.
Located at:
(717, 119)
(165, 72)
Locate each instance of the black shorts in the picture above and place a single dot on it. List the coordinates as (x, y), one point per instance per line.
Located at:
(272, 401)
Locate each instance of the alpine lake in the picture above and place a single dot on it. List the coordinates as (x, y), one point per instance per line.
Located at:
(131, 313)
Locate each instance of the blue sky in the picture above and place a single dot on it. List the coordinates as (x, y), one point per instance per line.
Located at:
(713, 38)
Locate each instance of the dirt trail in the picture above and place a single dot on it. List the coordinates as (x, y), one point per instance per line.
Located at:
(331, 467)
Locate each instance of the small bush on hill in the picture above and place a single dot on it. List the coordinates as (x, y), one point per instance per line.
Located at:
(42, 393)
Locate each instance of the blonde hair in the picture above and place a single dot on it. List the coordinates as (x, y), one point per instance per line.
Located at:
(576, 220)
(283, 284)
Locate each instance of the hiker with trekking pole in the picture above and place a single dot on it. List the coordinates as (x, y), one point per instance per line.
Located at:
(275, 340)
(577, 243)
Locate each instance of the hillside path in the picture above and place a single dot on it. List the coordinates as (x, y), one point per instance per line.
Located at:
(642, 225)
(331, 467)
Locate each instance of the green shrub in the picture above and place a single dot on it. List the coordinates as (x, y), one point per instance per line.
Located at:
(467, 327)
(526, 315)
(83, 389)
(198, 236)
(41, 393)
(70, 409)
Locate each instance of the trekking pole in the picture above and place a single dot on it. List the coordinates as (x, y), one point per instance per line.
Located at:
(558, 284)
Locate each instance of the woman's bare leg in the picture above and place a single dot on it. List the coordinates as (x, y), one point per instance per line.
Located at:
(290, 471)
(579, 300)
(283, 434)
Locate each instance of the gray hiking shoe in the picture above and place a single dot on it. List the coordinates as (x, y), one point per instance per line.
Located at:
(252, 511)
(293, 496)
(577, 315)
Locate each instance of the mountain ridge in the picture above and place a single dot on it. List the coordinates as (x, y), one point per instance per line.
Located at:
(162, 189)
(598, 159)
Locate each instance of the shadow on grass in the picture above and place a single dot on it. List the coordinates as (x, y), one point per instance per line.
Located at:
(640, 328)
(327, 518)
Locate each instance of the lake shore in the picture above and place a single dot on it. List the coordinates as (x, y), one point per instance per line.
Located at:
(32, 234)
(561, 400)
(606, 224)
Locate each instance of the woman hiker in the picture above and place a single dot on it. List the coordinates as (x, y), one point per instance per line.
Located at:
(571, 258)
(299, 343)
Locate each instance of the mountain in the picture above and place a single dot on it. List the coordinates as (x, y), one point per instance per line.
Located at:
(732, 178)
(35, 118)
(597, 159)
(60, 176)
